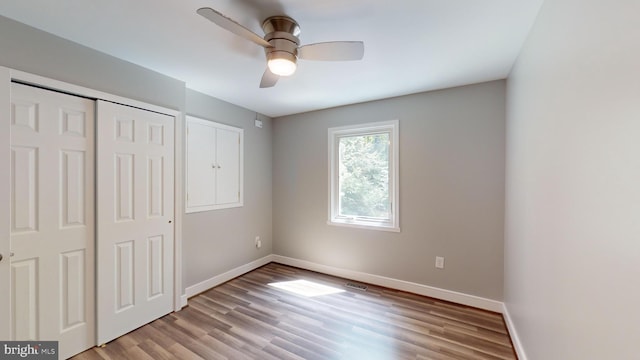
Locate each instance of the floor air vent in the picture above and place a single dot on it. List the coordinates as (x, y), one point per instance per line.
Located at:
(356, 286)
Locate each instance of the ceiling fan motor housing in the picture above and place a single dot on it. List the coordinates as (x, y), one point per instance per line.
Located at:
(282, 33)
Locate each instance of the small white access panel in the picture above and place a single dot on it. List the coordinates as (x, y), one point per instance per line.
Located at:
(214, 165)
(135, 218)
(52, 219)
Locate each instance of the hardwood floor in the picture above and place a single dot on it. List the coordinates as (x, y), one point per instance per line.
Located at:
(246, 318)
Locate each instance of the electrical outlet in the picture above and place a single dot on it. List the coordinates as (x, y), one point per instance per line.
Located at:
(258, 242)
(439, 262)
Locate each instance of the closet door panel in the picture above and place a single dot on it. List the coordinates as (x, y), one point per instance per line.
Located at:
(201, 165)
(228, 159)
(25, 300)
(52, 211)
(135, 218)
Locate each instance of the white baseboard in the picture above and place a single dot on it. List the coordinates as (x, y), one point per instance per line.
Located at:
(434, 292)
(442, 294)
(515, 339)
(224, 277)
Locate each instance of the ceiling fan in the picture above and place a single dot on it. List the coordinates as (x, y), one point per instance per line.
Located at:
(282, 45)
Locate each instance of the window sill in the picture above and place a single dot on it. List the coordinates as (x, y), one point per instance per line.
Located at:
(359, 225)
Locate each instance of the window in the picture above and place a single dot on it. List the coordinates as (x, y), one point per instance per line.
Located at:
(363, 176)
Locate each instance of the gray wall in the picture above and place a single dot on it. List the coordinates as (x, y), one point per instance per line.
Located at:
(451, 190)
(25, 48)
(213, 242)
(572, 244)
(220, 240)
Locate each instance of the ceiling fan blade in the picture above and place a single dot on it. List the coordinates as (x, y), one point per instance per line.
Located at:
(269, 79)
(232, 26)
(332, 51)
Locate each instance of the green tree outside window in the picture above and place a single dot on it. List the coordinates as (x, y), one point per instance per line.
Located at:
(364, 176)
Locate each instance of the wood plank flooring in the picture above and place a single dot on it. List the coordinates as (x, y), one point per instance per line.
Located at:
(246, 318)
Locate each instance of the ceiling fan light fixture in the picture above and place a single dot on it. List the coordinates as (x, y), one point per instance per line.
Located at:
(282, 63)
(282, 45)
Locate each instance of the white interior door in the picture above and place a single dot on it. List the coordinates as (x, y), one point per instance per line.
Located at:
(52, 218)
(135, 214)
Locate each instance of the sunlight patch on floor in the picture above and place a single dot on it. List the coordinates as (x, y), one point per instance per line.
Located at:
(306, 288)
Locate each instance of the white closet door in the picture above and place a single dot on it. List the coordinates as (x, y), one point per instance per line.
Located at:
(135, 214)
(52, 218)
(228, 160)
(5, 199)
(201, 163)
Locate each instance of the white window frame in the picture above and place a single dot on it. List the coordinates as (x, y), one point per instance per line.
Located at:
(335, 133)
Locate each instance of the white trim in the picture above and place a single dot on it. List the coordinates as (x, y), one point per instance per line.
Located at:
(178, 205)
(226, 276)
(62, 86)
(434, 292)
(366, 227)
(5, 200)
(425, 290)
(212, 123)
(52, 84)
(515, 339)
(393, 128)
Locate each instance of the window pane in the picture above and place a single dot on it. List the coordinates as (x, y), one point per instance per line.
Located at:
(364, 176)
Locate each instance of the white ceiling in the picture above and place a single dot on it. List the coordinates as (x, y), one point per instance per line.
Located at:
(410, 45)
